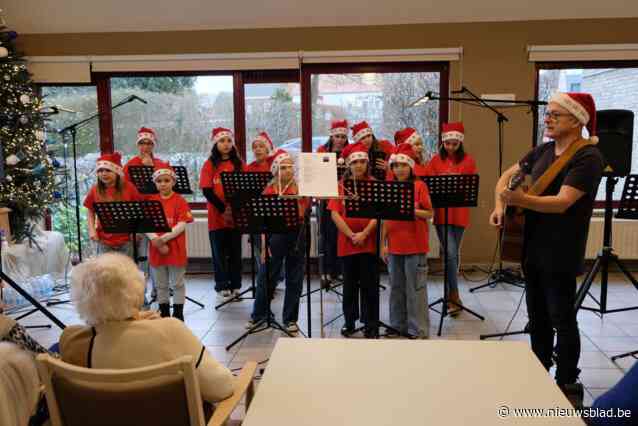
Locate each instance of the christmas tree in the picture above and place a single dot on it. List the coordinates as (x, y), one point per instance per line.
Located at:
(26, 173)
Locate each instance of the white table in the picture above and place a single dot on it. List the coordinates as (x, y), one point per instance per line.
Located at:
(331, 382)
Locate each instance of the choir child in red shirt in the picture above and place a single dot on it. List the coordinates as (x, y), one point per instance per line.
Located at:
(111, 186)
(404, 248)
(329, 263)
(146, 142)
(288, 248)
(262, 148)
(412, 137)
(225, 240)
(356, 246)
(452, 160)
(379, 150)
(167, 251)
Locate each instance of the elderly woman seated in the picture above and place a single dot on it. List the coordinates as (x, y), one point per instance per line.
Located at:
(108, 292)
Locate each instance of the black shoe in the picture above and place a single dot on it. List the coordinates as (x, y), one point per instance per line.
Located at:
(165, 310)
(325, 283)
(371, 333)
(575, 393)
(178, 312)
(347, 331)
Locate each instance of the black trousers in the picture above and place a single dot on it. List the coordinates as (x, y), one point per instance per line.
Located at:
(360, 275)
(550, 305)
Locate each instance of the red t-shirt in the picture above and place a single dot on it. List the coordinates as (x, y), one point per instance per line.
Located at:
(302, 202)
(129, 193)
(258, 167)
(137, 161)
(459, 216)
(345, 247)
(176, 210)
(210, 177)
(411, 237)
(420, 169)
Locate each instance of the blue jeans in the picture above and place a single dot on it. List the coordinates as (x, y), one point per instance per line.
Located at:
(256, 243)
(289, 247)
(225, 246)
(409, 294)
(454, 237)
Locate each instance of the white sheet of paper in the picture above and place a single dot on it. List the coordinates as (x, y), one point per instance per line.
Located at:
(317, 175)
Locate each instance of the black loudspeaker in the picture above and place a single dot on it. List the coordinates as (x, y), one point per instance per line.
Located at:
(615, 131)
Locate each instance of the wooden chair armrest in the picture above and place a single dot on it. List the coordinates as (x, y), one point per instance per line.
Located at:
(243, 385)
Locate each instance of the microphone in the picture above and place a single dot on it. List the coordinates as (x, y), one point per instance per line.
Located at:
(461, 90)
(137, 98)
(425, 98)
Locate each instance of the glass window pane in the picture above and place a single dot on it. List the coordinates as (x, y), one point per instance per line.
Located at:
(612, 88)
(181, 110)
(381, 99)
(274, 108)
(83, 100)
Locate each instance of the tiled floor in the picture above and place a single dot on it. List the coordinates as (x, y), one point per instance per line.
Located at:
(601, 338)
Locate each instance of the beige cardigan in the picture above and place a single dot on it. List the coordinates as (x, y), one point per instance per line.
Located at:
(141, 343)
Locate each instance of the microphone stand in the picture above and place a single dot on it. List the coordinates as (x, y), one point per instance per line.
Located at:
(72, 130)
(500, 275)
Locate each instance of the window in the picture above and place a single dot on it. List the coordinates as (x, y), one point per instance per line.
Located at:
(82, 100)
(274, 108)
(380, 95)
(613, 86)
(181, 109)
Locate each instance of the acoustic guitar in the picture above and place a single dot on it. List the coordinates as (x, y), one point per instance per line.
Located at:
(513, 225)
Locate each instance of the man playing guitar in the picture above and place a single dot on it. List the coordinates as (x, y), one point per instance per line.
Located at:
(557, 219)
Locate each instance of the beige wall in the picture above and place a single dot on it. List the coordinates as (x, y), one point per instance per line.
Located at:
(494, 61)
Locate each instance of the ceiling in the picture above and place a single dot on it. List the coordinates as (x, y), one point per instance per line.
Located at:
(82, 16)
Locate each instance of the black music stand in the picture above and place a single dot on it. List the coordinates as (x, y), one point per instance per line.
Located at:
(239, 188)
(142, 177)
(451, 191)
(267, 214)
(628, 209)
(376, 199)
(134, 217)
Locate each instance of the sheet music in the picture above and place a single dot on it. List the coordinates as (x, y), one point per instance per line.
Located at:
(317, 175)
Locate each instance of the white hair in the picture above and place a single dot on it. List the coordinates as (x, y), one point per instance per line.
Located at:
(107, 288)
(19, 385)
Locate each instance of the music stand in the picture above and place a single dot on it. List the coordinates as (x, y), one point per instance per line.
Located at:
(239, 188)
(142, 177)
(134, 217)
(267, 214)
(451, 191)
(376, 199)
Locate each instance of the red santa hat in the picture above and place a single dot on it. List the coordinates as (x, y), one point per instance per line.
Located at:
(146, 133)
(581, 106)
(407, 135)
(404, 153)
(276, 160)
(452, 131)
(263, 137)
(219, 133)
(339, 127)
(112, 162)
(355, 151)
(360, 131)
(164, 170)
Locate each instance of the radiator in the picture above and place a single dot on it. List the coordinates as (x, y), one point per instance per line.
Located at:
(624, 238)
(198, 246)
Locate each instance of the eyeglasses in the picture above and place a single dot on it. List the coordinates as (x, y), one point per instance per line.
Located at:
(554, 116)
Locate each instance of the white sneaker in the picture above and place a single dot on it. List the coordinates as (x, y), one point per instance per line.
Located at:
(236, 293)
(250, 324)
(226, 293)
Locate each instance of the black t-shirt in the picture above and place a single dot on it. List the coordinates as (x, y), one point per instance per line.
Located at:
(553, 241)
